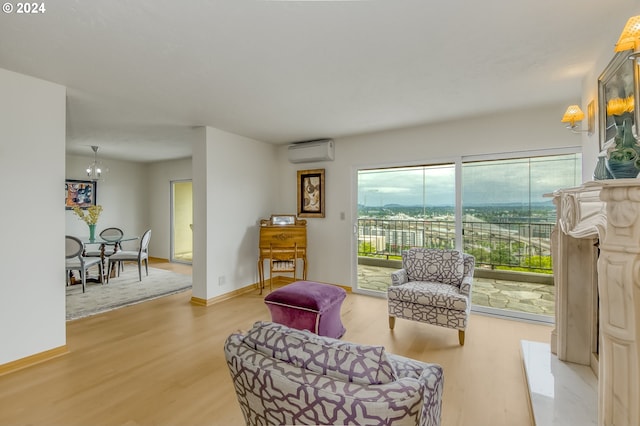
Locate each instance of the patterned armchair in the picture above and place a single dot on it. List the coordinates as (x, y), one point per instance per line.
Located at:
(434, 286)
(293, 377)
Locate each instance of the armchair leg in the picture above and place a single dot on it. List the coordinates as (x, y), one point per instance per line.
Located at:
(392, 322)
(461, 337)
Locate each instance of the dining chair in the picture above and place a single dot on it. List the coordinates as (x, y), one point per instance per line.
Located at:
(142, 254)
(282, 259)
(110, 238)
(75, 261)
(110, 242)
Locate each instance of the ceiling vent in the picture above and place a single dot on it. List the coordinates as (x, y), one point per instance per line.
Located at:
(309, 152)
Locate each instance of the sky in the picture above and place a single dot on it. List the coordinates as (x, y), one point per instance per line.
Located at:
(487, 182)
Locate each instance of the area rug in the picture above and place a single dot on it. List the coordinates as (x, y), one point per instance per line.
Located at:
(124, 290)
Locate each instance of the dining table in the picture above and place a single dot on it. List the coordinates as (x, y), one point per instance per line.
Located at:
(103, 242)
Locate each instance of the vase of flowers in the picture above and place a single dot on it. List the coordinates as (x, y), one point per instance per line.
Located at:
(623, 158)
(90, 218)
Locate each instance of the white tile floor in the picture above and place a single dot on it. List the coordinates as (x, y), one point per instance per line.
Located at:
(562, 393)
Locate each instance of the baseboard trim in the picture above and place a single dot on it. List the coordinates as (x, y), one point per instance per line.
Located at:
(277, 282)
(198, 301)
(280, 280)
(34, 359)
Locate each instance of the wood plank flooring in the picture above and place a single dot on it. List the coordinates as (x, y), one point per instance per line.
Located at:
(161, 363)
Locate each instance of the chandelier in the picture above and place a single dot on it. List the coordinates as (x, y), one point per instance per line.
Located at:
(96, 170)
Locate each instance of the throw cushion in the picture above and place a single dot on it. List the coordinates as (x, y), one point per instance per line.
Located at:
(323, 355)
(442, 266)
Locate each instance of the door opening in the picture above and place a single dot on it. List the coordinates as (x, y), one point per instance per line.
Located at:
(182, 221)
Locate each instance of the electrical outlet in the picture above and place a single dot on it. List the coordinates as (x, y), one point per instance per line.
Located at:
(222, 280)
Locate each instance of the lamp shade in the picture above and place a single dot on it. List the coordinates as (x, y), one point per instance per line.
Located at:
(572, 114)
(630, 37)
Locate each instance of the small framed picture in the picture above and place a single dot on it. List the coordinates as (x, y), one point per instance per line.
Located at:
(311, 193)
(79, 193)
(283, 219)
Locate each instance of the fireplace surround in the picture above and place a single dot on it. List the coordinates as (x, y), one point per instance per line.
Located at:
(596, 258)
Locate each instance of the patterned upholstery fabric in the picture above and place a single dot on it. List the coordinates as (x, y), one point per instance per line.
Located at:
(442, 266)
(434, 294)
(343, 360)
(439, 295)
(273, 391)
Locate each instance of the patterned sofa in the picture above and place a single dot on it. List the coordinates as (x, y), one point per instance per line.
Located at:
(293, 377)
(433, 286)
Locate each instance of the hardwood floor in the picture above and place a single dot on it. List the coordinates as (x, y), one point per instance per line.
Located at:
(161, 363)
(181, 268)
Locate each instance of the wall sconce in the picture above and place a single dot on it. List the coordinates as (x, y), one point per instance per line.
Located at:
(574, 113)
(630, 37)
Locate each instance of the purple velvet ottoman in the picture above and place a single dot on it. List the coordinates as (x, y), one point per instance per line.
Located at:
(307, 305)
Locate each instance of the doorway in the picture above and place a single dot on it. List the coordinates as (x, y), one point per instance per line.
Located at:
(182, 221)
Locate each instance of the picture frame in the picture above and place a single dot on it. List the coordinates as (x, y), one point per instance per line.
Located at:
(283, 219)
(79, 193)
(617, 87)
(591, 117)
(311, 193)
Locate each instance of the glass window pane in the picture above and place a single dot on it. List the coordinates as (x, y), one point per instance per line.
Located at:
(507, 219)
(405, 207)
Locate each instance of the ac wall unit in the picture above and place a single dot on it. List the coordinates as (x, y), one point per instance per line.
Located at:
(308, 152)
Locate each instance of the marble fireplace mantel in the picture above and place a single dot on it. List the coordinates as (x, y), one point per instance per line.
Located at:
(600, 216)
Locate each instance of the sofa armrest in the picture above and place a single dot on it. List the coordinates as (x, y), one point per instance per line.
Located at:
(431, 377)
(399, 277)
(465, 285)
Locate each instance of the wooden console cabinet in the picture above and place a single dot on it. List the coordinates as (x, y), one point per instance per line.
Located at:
(282, 241)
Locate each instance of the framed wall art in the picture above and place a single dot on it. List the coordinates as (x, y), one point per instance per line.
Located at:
(311, 193)
(617, 97)
(79, 193)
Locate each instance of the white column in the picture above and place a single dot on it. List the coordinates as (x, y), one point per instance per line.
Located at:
(200, 222)
(619, 287)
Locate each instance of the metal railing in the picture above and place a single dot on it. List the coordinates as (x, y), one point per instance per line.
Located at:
(505, 245)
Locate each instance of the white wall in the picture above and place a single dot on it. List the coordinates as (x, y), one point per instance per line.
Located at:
(330, 247)
(234, 185)
(32, 144)
(160, 175)
(124, 195)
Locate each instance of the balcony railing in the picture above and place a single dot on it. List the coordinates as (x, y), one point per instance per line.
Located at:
(504, 245)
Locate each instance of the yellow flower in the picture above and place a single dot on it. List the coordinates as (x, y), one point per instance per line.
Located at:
(93, 213)
(619, 106)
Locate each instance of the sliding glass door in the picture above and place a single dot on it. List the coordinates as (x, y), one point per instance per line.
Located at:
(399, 208)
(501, 215)
(508, 220)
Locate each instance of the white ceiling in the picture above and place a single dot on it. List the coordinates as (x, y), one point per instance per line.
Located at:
(141, 75)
